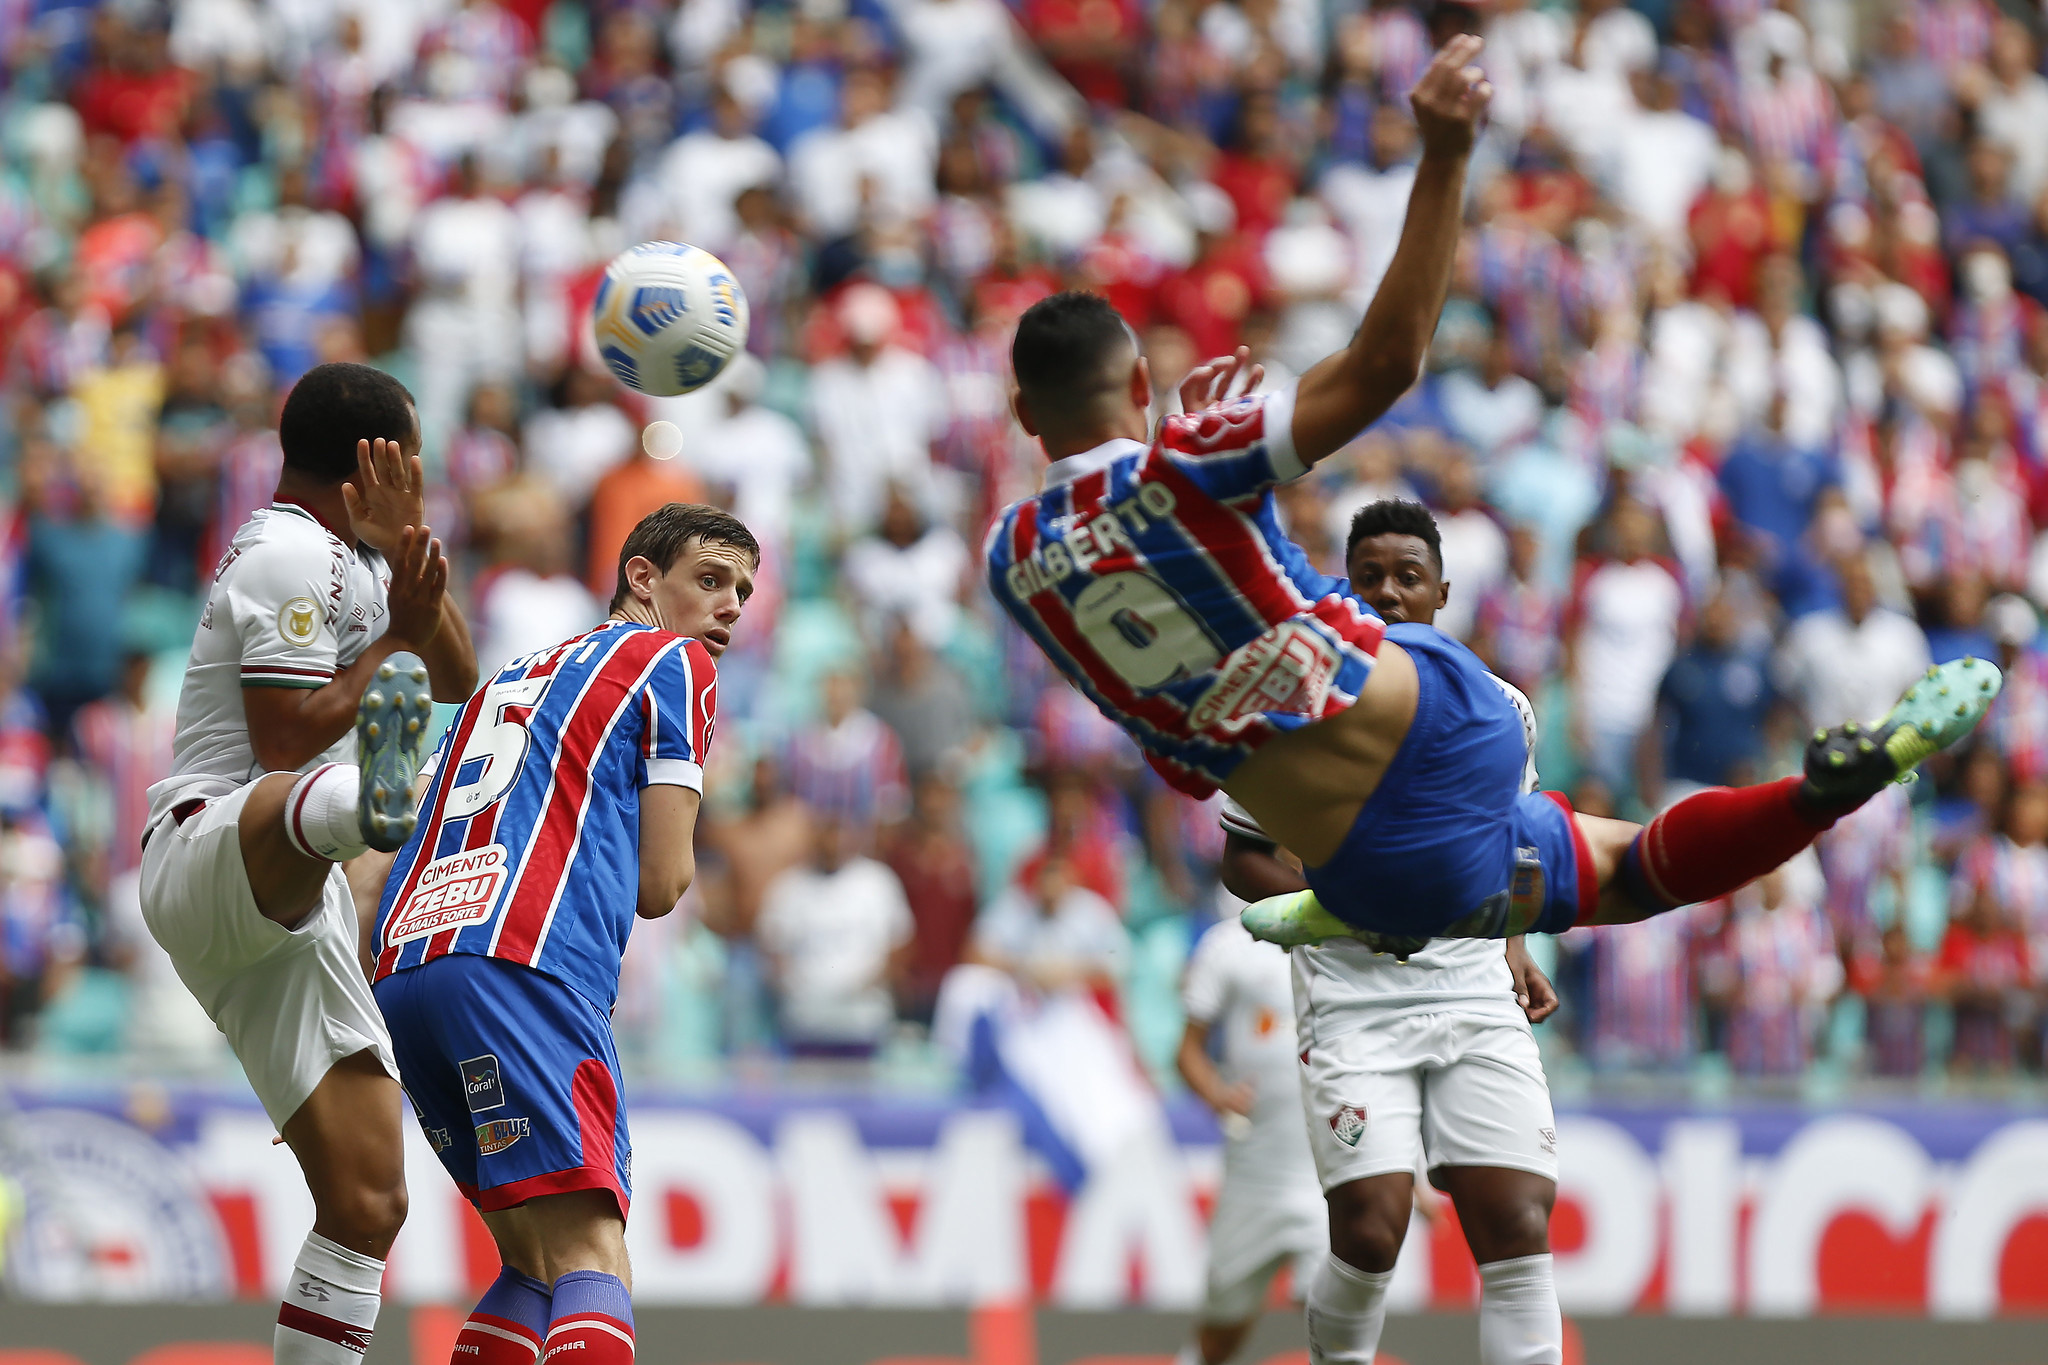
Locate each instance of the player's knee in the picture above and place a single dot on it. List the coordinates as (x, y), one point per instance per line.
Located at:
(1364, 1237)
(368, 1212)
(1509, 1228)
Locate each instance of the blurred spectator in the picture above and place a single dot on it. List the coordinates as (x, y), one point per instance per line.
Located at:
(527, 598)
(1896, 989)
(836, 929)
(1491, 407)
(848, 763)
(1785, 971)
(581, 436)
(930, 856)
(875, 164)
(1517, 623)
(1986, 974)
(192, 428)
(911, 570)
(1475, 548)
(628, 491)
(1711, 708)
(753, 455)
(754, 847)
(1851, 660)
(80, 565)
(921, 696)
(1622, 631)
(876, 411)
(1052, 934)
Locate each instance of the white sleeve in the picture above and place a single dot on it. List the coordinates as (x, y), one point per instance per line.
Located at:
(1205, 988)
(1235, 819)
(1528, 714)
(285, 601)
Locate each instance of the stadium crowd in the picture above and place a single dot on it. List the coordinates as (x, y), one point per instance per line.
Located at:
(1737, 419)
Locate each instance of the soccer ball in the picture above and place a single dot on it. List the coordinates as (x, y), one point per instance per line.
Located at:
(668, 317)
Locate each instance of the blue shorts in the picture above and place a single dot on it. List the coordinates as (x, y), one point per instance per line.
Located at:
(514, 1077)
(1449, 834)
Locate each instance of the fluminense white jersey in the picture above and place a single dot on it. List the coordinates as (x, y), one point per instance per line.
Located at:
(292, 604)
(1244, 991)
(1342, 985)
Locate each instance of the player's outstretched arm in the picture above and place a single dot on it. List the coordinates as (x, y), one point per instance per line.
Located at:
(387, 495)
(668, 847)
(289, 727)
(1345, 393)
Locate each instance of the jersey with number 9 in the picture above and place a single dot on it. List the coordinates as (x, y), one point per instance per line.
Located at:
(529, 835)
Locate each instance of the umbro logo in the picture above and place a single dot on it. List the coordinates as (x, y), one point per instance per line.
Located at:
(313, 1289)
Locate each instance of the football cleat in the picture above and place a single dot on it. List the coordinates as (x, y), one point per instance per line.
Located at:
(390, 733)
(1848, 764)
(1298, 920)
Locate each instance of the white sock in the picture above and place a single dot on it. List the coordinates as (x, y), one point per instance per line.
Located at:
(330, 1308)
(320, 814)
(1347, 1307)
(1190, 1354)
(1518, 1319)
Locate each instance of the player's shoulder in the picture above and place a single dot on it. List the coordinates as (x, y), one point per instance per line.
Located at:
(281, 544)
(1517, 696)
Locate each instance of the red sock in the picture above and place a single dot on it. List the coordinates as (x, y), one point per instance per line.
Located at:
(589, 1339)
(1717, 840)
(489, 1340)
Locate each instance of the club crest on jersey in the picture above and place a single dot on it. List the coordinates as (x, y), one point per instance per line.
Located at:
(1348, 1124)
(483, 1086)
(1288, 669)
(298, 621)
(498, 1134)
(452, 892)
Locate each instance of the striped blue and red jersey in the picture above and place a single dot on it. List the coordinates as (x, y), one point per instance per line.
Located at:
(1159, 581)
(528, 846)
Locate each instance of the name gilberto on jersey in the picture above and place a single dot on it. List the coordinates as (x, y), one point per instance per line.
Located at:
(1115, 526)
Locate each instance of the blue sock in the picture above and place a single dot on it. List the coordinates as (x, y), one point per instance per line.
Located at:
(581, 1292)
(518, 1298)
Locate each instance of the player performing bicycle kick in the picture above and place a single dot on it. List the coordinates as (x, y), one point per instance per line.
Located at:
(1157, 579)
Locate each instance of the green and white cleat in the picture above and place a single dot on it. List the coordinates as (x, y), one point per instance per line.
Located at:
(1851, 763)
(391, 743)
(1298, 920)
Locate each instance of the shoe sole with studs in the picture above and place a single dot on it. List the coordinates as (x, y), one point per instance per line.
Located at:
(391, 743)
(1854, 761)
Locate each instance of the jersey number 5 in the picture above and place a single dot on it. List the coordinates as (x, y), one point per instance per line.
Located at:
(498, 743)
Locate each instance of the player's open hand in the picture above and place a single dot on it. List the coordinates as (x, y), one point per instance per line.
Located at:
(1212, 381)
(1450, 98)
(1533, 991)
(419, 580)
(387, 495)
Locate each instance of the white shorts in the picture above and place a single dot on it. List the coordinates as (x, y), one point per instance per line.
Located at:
(292, 1002)
(1254, 1231)
(1458, 1089)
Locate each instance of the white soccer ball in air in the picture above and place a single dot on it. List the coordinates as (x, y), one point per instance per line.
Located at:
(668, 317)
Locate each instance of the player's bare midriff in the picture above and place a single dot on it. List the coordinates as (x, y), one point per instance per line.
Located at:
(1306, 786)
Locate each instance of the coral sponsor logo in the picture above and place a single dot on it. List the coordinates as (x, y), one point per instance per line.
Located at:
(498, 1134)
(452, 893)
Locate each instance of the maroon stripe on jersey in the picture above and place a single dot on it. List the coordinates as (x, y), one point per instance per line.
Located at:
(1223, 535)
(356, 1339)
(295, 672)
(531, 898)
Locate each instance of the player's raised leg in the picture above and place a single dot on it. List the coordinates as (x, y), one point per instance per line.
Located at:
(1599, 871)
